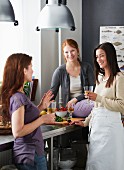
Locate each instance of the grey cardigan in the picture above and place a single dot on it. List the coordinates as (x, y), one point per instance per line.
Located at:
(61, 77)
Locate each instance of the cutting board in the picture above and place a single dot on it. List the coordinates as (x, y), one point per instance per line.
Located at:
(65, 122)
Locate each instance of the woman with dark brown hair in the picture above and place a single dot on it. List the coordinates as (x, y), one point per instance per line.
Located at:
(106, 137)
(28, 149)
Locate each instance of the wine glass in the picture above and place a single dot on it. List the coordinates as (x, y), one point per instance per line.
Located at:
(88, 89)
(70, 110)
(91, 88)
(53, 106)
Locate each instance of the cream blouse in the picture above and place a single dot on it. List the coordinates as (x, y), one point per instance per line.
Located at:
(111, 98)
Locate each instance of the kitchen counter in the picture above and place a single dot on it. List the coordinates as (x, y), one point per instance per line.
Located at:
(48, 132)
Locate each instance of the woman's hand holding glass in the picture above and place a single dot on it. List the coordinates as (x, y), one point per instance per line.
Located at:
(72, 101)
(70, 109)
(90, 95)
(87, 92)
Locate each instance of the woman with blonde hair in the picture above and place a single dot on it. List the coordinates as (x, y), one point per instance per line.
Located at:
(72, 76)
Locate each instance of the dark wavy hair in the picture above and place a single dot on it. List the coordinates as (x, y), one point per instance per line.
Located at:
(111, 60)
(13, 78)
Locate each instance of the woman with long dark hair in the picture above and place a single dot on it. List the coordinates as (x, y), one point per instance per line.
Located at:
(106, 132)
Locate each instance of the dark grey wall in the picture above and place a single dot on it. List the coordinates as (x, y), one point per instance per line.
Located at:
(96, 13)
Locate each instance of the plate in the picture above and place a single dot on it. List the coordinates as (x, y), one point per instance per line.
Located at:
(65, 122)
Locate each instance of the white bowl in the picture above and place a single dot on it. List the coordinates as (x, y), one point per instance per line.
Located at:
(67, 164)
(61, 113)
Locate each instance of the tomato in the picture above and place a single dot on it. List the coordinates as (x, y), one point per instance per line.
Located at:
(63, 108)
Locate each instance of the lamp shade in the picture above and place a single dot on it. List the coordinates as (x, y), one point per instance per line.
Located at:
(7, 12)
(55, 15)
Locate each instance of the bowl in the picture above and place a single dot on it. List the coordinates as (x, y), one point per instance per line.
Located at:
(61, 113)
(67, 164)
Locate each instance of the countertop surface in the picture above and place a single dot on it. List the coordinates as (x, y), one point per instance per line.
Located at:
(48, 131)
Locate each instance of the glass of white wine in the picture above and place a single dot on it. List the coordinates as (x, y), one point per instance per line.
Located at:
(53, 106)
(70, 110)
(88, 89)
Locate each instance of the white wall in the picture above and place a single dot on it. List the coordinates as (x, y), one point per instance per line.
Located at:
(76, 8)
(24, 37)
(10, 37)
(32, 38)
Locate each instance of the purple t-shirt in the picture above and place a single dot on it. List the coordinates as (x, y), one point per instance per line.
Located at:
(25, 147)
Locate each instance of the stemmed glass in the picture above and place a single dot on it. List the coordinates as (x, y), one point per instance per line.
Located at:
(91, 88)
(88, 89)
(70, 110)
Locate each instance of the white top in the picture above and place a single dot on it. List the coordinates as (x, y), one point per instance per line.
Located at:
(75, 86)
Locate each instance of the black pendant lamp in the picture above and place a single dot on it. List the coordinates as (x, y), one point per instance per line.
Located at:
(7, 12)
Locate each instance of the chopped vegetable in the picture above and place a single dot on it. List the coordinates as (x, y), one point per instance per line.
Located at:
(58, 119)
